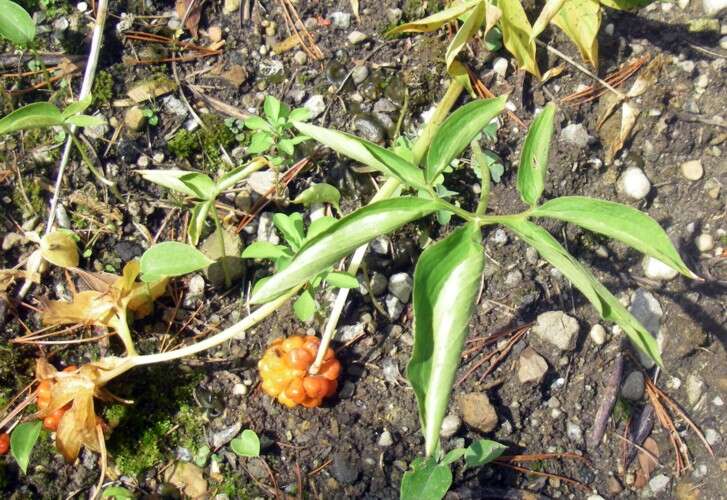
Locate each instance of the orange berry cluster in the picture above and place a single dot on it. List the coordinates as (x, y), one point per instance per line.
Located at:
(284, 372)
(4, 443)
(45, 387)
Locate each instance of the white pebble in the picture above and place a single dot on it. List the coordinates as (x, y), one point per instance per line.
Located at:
(704, 242)
(598, 334)
(692, 170)
(356, 37)
(657, 270)
(500, 67)
(634, 183)
(82, 6)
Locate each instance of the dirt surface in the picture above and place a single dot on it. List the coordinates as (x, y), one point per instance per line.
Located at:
(361, 442)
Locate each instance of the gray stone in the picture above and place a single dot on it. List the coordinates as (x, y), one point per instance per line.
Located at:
(513, 278)
(500, 238)
(173, 105)
(400, 285)
(499, 66)
(714, 7)
(195, 287)
(224, 436)
(532, 367)
(378, 284)
(394, 307)
(300, 58)
(659, 483)
(558, 329)
(647, 310)
(633, 387)
(341, 20)
(97, 131)
(393, 15)
(712, 436)
(385, 440)
(694, 388)
(356, 37)
(478, 412)
(574, 432)
(575, 134)
(134, 118)
(657, 270)
(347, 333)
(384, 105)
(183, 454)
(634, 183)
(266, 229)
(359, 74)
(262, 181)
(380, 245)
(450, 425)
(704, 242)
(315, 105)
(369, 127)
(345, 468)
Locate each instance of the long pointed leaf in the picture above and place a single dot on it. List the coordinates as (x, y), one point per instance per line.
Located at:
(466, 32)
(446, 281)
(580, 20)
(431, 23)
(550, 9)
(15, 23)
(598, 295)
(617, 221)
(516, 32)
(35, 115)
(365, 152)
(170, 179)
(534, 157)
(342, 238)
(457, 132)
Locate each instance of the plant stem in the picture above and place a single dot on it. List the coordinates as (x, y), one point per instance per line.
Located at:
(89, 164)
(121, 325)
(221, 241)
(479, 157)
(387, 191)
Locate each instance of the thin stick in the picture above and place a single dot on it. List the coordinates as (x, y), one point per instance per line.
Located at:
(582, 69)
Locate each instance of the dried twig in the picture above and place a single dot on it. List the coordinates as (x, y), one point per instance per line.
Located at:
(608, 400)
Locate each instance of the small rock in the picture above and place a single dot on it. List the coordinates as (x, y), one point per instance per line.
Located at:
(262, 181)
(195, 288)
(300, 58)
(82, 6)
(513, 278)
(450, 425)
(385, 440)
(97, 131)
(394, 307)
(214, 33)
(378, 284)
(501, 238)
(315, 105)
(239, 389)
(633, 387)
(557, 328)
(229, 257)
(231, 6)
(359, 74)
(712, 187)
(574, 432)
(531, 256)
(266, 229)
(134, 118)
(341, 20)
(385, 105)
(532, 366)
(380, 245)
(187, 477)
(173, 105)
(356, 37)
(347, 333)
(344, 468)
(595, 497)
(369, 127)
(575, 134)
(657, 270)
(712, 436)
(692, 170)
(183, 454)
(694, 388)
(598, 334)
(647, 310)
(714, 7)
(704, 242)
(478, 412)
(499, 66)
(393, 15)
(634, 183)
(224, 436)
(659, 483)
(400, 285)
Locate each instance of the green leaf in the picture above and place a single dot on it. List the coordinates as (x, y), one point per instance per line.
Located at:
(305, 306)
(365, 152)
(319, 225)
(617, 221)
(170, 179)
(197, 220)
(452, 456)
(203, 187)
(342, 238)
(292, 228)
(172, 258)
(341, 280)
(550, 9)
(446, 281)
(626, 4)
(299, 115)
(16, 24)
(117, 493)
(257, 123)
(85, 120)
(534, 157)
(22, 441)
(427, 480)
(264, 250)
(286, 146)
(35, 115)
(436, 20)
(602, 300)
(465, 33)
(457, 132)
(580, 20)
(319, 193)
(260, 142)
(77, 107)
(247, 444)
(482, 452)
(516, 31)
(271, 106)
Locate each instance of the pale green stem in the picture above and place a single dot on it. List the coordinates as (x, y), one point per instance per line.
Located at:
(478, 156)
(121, 325)
(221, 242)
(387, 191)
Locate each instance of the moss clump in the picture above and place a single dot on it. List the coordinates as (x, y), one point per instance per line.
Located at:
(207, 140)
(103, 88)
(32, 202)
(162, 418)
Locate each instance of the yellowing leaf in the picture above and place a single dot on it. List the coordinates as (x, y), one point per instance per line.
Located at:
(549, 11)
(431, 23)
(465, 32)
(580, 21)
(516, 32)
(59, 249)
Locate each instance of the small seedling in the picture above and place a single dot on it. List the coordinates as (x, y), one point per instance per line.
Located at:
(247, 444)
(152, 118)
(274, 134)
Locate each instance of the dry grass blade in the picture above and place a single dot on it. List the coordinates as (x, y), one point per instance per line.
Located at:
(614, 79)
(498, 354)
(537, 457)
(292, 19)
(484, 93)
(568, 480)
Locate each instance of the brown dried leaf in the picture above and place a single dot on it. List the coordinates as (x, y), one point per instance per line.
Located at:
(629, 114)
(192, 21)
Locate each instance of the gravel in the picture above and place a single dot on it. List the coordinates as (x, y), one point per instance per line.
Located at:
(532, 367)
(598, 334)
(356, 37)
(450, 425)
(633, 387)
(400, 285)
(478, 412)
(315, 105)
(704, 242)
(657, 270)
(692, 170)
(558, 329)
(385, 439)
(634, 183)
(575, 134)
